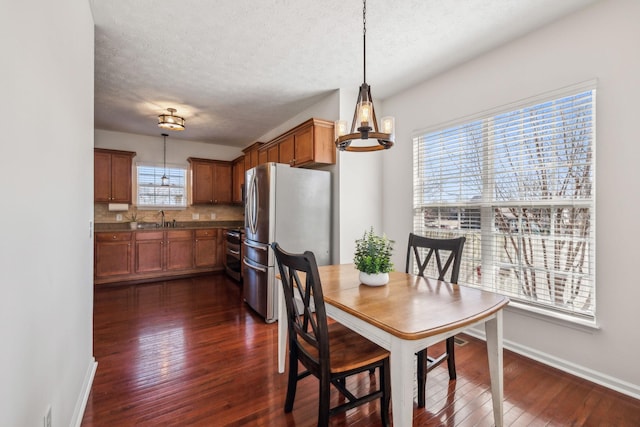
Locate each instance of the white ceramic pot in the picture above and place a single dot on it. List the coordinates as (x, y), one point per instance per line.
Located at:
(377, 279)
(133, 225)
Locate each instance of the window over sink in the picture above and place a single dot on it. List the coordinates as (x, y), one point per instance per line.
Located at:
(152, 194)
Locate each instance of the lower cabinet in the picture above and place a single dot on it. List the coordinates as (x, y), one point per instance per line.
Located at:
(112, 255)
(206, 247)
(179, 252)
(153, 254)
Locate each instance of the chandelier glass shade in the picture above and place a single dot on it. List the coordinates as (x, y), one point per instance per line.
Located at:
(171, 121)
(364, 126)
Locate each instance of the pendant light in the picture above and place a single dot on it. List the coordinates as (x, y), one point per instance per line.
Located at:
(164, 181)
(364, 116)
(171, 122)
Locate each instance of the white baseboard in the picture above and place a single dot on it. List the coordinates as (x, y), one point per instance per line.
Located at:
(81, 403)
(596, 377)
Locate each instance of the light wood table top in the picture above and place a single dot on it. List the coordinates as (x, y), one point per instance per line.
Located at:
(409, 307)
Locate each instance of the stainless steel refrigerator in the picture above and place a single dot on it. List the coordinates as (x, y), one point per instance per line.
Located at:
(291, 206)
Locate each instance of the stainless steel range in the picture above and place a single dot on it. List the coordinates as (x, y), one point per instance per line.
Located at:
(233, 255)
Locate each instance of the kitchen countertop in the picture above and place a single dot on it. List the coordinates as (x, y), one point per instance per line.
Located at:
(181, 225)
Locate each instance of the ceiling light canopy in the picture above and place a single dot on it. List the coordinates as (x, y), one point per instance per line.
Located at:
(364, 116)
(170, 121)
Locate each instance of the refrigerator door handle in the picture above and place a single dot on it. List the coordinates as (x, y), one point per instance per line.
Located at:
(244, 261)
(253, 204)
(258, 247)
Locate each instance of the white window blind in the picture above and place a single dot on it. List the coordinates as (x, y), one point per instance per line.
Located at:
(520, 186)
(151, 192)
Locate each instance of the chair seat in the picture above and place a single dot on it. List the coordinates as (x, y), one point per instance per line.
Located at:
(349, 350)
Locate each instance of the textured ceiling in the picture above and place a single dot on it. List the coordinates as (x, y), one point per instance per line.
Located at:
(237, 68)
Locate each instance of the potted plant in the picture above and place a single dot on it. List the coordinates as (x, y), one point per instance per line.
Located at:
(373, 258)
(133, 219)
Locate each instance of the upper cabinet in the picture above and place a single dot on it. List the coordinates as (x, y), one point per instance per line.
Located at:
(237, 180)
(251, 154)
(112, 176)
(211, 181)
(308, 144)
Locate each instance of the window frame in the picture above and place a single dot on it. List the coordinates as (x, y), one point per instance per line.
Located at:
(179, 187)
(487, 204)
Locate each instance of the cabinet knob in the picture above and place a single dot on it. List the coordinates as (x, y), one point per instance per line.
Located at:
(115, 237)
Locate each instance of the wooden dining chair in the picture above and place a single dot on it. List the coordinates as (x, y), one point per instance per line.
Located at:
(427, 252)
(330, 352)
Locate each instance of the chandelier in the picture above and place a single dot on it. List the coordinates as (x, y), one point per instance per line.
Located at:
(171, 122)
(365, 125)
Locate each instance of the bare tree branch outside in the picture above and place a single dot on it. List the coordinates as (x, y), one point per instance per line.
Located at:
(519, 186)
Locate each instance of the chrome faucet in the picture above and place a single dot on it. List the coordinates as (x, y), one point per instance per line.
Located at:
(162, 222)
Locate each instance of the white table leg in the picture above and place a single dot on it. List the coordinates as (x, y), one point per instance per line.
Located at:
(402, 373)
(493, 330)
(282, 327)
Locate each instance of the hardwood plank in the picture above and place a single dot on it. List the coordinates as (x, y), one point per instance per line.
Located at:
(191, 352)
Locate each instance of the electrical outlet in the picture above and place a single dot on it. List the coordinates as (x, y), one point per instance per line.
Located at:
(118, 217)
(195, 216)
(47, 417)
(213, 215)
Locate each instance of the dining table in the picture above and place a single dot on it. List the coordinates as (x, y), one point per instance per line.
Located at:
(404, 316)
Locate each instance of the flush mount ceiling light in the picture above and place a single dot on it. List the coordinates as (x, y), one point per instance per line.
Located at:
(171, 122)
(164, 181)
(365, 115)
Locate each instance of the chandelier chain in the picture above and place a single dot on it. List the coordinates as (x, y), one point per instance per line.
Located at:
(364, 40)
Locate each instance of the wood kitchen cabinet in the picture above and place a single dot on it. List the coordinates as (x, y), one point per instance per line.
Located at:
(149, 251)
(145, 255)
(251, 155)
(310, 143)
(210, 181)
(112, 175)
(237, 180)
(269, 153)
(112, 254)
(179, 250)
(206, 247)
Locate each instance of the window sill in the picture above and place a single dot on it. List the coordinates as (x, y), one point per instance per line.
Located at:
(553, 316)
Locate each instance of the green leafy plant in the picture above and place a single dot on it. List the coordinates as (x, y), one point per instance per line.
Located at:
(134, 217)
(373, 253)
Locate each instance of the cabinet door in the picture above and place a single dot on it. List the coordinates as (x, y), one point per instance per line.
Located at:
(206, 248)
(179, 250)
(112, 254)
(222, 184)
(120, 178)
(304, 146)
(287, 150)
(202, 182)
(102, 177)
(238, 181)
(273, 154)
(149, 251)
(262, 156)
(254, 158)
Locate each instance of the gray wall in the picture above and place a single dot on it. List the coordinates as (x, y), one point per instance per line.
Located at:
(600, 42)
(46, 158)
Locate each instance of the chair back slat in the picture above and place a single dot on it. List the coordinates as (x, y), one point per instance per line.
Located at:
(436, 249)
(308, 330)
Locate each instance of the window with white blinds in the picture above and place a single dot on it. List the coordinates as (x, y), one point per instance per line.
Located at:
(151, 192)
(520, 185)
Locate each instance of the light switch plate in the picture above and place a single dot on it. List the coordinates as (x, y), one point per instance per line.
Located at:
(195, 216)
(118, 217)
(213, 215)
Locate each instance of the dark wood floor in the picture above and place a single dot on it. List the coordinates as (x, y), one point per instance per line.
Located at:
(190, 352)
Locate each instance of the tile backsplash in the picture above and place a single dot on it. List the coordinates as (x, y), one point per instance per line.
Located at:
(204, 213)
